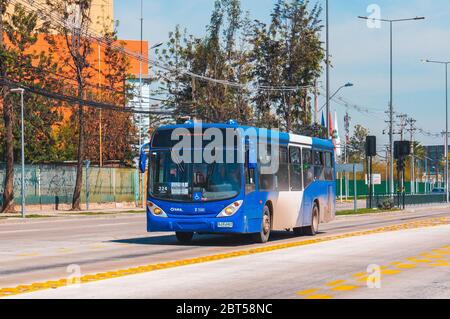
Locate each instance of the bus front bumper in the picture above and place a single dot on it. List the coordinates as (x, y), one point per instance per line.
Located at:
(201, 225)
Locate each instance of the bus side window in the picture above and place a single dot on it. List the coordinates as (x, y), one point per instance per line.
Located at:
(308, 168)
(319, 167)
(295, 169)
(283, 170)
(329, 166)
(266, 181)
(250, 185)
(276, 181)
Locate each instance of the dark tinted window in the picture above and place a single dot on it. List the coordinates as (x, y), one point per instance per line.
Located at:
(319, 167)
(296, 169)
(308, 167)
(283, 171)
(329, 171)
(163, 138)
(280, 180)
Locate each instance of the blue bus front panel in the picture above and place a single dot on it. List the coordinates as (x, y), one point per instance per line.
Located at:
(202, 217)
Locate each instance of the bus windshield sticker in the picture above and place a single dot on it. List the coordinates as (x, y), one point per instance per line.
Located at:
(198, 196)
(180, 188)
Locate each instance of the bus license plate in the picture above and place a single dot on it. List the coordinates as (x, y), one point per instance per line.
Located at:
(225, 224)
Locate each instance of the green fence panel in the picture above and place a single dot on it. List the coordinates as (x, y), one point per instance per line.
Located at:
(54, 184)
(362, 189)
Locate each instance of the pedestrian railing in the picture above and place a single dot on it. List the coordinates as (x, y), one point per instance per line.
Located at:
(405, 200)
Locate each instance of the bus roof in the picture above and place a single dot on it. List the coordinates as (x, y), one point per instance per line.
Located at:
(285, 138)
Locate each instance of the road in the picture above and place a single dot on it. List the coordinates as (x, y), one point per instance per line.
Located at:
(35, 251)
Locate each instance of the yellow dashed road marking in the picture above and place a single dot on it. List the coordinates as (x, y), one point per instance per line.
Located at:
(28, 255)
(405, 266)
(307, 292)
(148, 268)
(344, 288)
(336, 283)
(441, 264)
(390, 272)
(362, 277)
(317, 297)
(418, 261)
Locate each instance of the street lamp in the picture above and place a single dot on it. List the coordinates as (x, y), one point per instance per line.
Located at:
(346, 85)
(391, 104)
(445, 63)
(156, 46)
(327, 65)
(22, 91)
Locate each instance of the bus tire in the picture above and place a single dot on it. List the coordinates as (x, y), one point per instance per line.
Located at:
(315, 221)
(298, 231)
(184, 238)
(266, 226)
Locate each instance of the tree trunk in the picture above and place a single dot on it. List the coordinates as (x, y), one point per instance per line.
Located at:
(76, 203)
(8, 194)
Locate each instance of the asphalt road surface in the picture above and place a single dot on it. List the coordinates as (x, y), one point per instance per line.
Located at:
(410, 261)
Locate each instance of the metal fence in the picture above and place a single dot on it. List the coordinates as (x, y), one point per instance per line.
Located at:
(54, 184)
(345, 187)
(405, 200)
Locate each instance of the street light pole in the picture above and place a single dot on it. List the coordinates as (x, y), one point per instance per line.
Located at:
(347, 85)
(327, 124)
(447, 186)
(391, 103)
(22, 91)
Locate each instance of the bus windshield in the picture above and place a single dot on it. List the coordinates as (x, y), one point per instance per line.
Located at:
(192, 182)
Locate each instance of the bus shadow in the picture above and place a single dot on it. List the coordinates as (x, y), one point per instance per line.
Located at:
(208, 240)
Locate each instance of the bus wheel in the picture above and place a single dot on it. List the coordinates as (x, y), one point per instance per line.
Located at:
(315, 220)
(298, 231)
(184, 238)
(266, 226)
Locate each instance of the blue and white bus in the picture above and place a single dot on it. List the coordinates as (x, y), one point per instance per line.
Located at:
(238, 197)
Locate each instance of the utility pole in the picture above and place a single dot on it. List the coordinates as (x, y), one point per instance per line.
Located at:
(22, 148)
(403, 123)
(391, 100)
(447, 187)
(101, 115)
(412, 129)
(327, 124)
(141, 142)
(316, 103)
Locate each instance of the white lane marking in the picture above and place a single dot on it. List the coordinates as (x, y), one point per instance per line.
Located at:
(71, 228)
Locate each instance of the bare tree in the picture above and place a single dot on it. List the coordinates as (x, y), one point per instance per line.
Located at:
(76, 50)
(8, 194)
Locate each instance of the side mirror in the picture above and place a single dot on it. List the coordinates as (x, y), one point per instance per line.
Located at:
(143, 159)
(143, 162)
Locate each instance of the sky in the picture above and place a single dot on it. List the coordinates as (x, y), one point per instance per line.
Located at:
(360, 54)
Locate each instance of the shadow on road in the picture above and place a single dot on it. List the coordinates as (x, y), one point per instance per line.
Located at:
(207, 240)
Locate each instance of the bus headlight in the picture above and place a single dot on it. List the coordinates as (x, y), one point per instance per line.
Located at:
(155, 210)
(231, 209)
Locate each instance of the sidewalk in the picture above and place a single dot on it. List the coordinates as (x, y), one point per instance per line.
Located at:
(412, 209)
(68, 213)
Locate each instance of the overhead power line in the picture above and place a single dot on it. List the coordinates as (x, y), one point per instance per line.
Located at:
(53, 18)
(76, 100)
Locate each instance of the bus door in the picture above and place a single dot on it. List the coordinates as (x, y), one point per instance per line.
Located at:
(290, 188)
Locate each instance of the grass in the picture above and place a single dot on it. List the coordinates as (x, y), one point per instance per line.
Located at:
(107, 213)
(38, 216)
(365, 211)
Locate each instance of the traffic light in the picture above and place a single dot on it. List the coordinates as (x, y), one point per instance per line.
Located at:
(371, 146)
(402, 149)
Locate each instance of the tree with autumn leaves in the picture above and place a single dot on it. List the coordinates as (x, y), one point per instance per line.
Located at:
(66, 69)
(244, 54)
